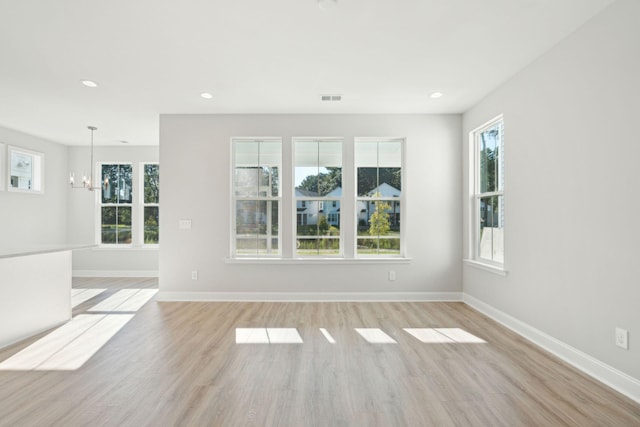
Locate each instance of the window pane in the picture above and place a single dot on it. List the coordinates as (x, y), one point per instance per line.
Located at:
(116, 225)
(491, 162)
(21, 170)
(378, 227)
(318, 218)
(124, 225)
(379, 182)
(257, 168)
(151, 184)
(256, 225)
(318, 227)
(318, 168)
(379, 168)
(151, 228)
(390, 154)
(118, 180)
(491, 241)
(109, 225)
(366, 154)
(246, 181)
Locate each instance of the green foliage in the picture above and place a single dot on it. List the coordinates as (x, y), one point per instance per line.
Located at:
(151, 183)
(489, 153)
(323, 225)
(323, 183)
(379, 224)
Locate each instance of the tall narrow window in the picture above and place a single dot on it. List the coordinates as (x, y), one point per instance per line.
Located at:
(257, 197)
(379, 197)
(318, 196)
(488, 203)
(116, 204)
(151, 204)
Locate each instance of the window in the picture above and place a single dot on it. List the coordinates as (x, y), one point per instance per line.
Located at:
(25, 170)
(379, 197)
(116, 204)
(256, 197)
(318, 179)
(151, 204)
(488, 199)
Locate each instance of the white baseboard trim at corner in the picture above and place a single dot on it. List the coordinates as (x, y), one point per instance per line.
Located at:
(310, 296)
(618, 380)
(114, 273)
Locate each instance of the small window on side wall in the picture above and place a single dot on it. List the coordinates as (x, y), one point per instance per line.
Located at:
(25, 170)
(488, 197)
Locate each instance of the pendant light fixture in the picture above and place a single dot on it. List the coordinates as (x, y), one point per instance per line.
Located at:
(87, 179)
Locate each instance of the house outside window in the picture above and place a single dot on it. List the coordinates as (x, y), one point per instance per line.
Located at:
(257, 164)
(318, 195)
(379, 199)
(488, 197)
(116, 203)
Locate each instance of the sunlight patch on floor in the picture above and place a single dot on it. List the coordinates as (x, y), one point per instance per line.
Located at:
(327, 335)
(71, 345)
(78, 296)
(125, 300)
(460, 335)
(375, 336)
(268, 336)
(443, 335)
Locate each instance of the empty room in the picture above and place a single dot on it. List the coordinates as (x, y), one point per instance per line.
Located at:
(319, 213)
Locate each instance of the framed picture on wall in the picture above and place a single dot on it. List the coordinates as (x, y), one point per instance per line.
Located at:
(25, 170)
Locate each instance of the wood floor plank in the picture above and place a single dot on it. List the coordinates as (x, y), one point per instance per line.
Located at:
(178, 364)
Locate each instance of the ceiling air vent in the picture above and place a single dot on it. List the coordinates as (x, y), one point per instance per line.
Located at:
(331, 98)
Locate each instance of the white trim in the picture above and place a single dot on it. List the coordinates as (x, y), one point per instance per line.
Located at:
(115, 273)
(310, 260)
(500, 271)
(618, 380)
(310, 296)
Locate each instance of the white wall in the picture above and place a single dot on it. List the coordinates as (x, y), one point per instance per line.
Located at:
(195, 158)
(572, 192)
(82, 218)
(34, 218)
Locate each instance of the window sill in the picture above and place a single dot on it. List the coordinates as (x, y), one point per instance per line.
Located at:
(322, 261)
(500, 271)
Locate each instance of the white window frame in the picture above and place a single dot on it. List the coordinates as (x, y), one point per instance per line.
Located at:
(477, 195)
(144, 205)
(98, 178)
(37, 170)
(365, 199)
(235, 199)
(309, 201)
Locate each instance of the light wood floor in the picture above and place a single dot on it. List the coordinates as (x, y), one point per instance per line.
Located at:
(179, 364)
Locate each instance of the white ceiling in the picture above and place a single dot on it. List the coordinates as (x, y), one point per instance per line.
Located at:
(152, 57)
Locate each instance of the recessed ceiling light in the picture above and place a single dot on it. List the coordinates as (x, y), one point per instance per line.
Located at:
(435, 95)
(206, 95)
(89, 83)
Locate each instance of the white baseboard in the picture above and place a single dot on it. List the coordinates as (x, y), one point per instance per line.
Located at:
(618, 380)
(115, 273)
(308, 296)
